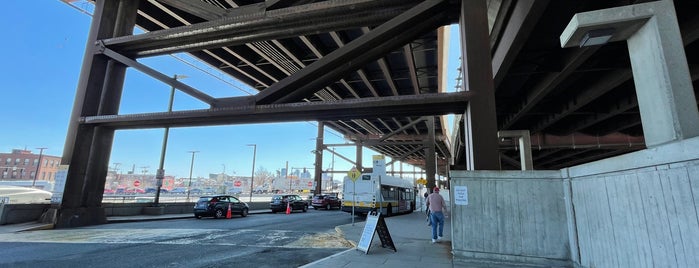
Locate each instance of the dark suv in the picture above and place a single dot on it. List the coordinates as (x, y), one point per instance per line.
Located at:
(280, 201)
(326, 201)
(217, 206)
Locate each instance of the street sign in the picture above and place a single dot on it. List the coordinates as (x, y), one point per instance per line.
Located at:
(354, 174)
(421, 181)
(136, 183)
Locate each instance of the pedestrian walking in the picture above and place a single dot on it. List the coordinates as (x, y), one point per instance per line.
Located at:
(437, 207)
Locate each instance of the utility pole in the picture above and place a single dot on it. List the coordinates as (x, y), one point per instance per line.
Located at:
(36, 173)
(252, 176)
(160, 174)
(191, 167)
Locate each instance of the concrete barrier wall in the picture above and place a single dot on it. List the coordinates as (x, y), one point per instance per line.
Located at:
(636, 210)
(130, 209)
(639, 209)
(21, 213)
(511, 216)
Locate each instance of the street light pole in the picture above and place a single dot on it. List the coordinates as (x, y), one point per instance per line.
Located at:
(191, 167)
(332, 168)
(160, 174)
(252, 177)
(36, 173)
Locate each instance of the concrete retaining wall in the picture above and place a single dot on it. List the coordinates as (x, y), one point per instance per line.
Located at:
(20, 213)
(635, 210)
(130, 209)
(511, 216)
(639, 209)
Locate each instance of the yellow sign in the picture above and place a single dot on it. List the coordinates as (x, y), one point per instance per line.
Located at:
(421, 181)
(354, 174)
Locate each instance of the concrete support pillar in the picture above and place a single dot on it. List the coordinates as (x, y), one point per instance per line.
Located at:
(481, 141)
(525, 146)
(661, 75)
(87, 149)
(319, 158)
(430, 159)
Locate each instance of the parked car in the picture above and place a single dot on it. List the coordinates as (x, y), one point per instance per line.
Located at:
(295, 202)
(151, 190)
(326, 201)
(179, 190)
(217, 206)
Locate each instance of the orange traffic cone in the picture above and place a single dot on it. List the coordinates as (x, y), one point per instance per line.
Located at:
(288, 209)
(228, 214)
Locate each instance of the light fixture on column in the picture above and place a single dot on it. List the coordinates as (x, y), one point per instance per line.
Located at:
(596, 37)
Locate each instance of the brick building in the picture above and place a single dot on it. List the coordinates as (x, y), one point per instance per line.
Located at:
(22, 165)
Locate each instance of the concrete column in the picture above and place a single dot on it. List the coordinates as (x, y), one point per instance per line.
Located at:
(481, 142)
(661, 76)
(525, 146)
(319, 158)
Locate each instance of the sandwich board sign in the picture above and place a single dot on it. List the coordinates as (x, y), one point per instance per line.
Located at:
(375, 223)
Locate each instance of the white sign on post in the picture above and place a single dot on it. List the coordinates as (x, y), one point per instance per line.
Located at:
(60, 184)
(461, 195)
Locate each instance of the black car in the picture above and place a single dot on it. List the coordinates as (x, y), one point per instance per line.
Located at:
(279, 203)
(326, 201)
(217, 206)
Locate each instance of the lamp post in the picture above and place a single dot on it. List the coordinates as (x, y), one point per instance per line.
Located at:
(332, 168)
(160, 174)
(252, 177)
(191, 167)
(36, 173)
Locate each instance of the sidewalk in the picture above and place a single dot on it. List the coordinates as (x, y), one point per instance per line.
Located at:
(410, 235)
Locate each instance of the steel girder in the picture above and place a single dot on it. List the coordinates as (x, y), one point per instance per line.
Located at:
(424, 17)
(411, 105)
(263, 25)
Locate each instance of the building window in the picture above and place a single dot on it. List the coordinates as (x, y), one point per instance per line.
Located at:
(8, 161)
(14, 174)
(31, 175)
(16, 161)
(36, 162)
(52, 163)
(26, 161)
(4, 174)
(46, 162)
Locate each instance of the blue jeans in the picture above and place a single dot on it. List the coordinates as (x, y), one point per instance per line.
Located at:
(437, 218)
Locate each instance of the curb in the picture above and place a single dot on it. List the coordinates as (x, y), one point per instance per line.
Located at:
(48, 226)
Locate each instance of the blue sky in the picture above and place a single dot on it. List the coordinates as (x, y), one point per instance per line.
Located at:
(42, 53)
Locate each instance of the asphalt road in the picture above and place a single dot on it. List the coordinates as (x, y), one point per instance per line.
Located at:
(259, 240)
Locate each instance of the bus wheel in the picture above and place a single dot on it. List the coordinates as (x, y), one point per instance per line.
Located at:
(389, 210)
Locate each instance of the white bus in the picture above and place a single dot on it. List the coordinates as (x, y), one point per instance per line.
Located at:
(377, 191)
